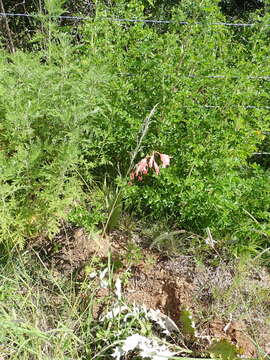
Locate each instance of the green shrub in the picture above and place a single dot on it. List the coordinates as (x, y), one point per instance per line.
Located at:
(71, 115)
(212, 182)
(47, 106)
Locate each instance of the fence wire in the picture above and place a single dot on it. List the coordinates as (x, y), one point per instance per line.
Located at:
(230, 106)
(147, 21)
(154, 21)
(227, 76)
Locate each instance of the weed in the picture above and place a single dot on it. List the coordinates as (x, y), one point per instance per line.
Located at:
(133, 255)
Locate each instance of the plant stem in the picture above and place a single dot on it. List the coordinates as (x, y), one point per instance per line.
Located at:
(10, 41)
(143, 132)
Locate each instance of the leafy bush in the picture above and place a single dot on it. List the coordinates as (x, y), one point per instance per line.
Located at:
(84, 124)
(212, 182)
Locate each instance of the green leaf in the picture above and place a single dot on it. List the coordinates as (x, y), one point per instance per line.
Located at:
(224, 350)
(187, 323)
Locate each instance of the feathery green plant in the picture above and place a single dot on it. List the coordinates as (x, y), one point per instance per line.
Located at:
(48, 107)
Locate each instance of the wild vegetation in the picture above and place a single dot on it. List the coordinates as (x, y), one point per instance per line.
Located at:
(83, 126)
(88, 108)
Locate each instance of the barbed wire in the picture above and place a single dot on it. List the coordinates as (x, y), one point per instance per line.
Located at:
(153, 21)
(261, 153)
(251, 77)
(262, 77)
(230, 106)
(149, 21)
(228, 76)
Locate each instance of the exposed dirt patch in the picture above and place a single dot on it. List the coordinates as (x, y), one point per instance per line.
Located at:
(157, 289)
(234, 331)
(168, 290)
(70, 250)
(224, 307)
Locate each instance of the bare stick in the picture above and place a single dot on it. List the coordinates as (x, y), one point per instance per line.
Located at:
(10, 41)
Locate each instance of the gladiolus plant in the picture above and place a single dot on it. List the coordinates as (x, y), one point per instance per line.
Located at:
(149, 162)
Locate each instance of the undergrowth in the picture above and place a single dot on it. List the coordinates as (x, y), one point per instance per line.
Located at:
(84, 116)
(72, 112)
(46, 314)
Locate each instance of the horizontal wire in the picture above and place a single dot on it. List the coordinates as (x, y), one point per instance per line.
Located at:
(267, 77)
(222, 107)
(261, 153)
(260, 77)
(156, 21)
(151, 21)
(250, 77)
(165, 22)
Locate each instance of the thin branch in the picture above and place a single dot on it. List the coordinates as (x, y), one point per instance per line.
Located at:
(10, 41)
